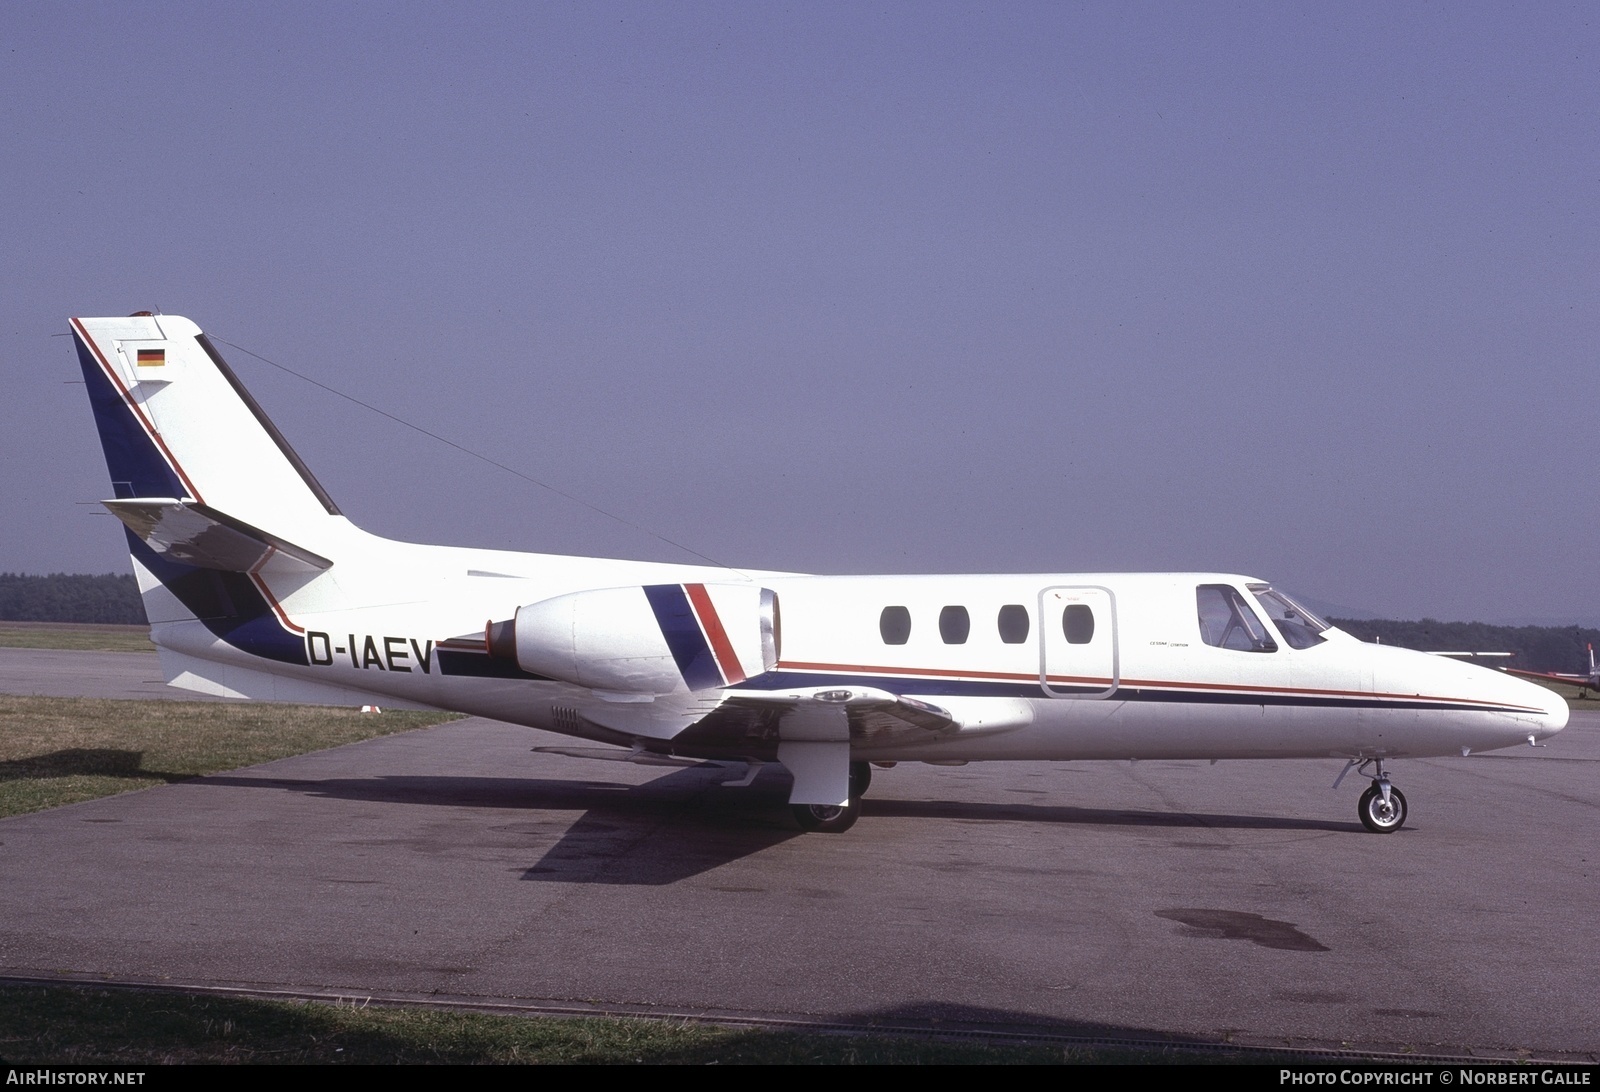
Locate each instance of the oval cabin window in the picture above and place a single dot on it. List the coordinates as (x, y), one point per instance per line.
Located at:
(894, 625)
(954, 625)
(1077, 622)
(1013, 623)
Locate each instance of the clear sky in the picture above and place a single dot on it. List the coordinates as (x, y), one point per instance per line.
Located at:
(1308, 292)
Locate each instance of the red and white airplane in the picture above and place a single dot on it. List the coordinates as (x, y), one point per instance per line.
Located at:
(1590, 682)
(257, 586)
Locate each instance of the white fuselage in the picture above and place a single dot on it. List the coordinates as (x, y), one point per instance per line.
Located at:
(1144, 685)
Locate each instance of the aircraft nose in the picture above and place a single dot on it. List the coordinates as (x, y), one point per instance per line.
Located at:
(1552, 707)
(1556, 711)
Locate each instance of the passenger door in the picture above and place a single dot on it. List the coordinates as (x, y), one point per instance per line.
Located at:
(1078, 641)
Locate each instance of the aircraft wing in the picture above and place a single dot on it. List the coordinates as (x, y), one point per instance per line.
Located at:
(1591, 681)
(750, 721)
(1552, 676)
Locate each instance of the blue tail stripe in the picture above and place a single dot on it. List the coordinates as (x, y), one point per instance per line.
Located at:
(137, 466)
(690, 650)
(228, 604)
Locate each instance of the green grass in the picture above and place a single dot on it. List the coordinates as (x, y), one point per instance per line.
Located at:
(69, 1025)
(1577, 697)
(62, 750)
(80, 638)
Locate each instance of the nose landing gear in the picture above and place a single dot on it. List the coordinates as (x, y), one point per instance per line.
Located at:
(1382, 807)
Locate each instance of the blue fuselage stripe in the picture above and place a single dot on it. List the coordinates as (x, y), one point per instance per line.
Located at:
(228, 604)
(987, 688)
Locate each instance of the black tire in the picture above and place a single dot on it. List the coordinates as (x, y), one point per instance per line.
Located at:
(1378, 817)
(860, 779)
(824, 818)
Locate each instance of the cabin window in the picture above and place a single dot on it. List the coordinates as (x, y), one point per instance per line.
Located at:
(894, 624)
(954, 625)
(1226, 620)
(1077, 622)
(1013, 623)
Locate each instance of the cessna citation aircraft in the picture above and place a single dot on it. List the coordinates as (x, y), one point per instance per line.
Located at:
(257, 587)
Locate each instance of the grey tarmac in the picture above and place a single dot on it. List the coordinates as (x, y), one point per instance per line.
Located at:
(54, 673)
(1240, 902)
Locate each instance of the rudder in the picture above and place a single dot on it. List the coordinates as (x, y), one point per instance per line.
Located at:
(175, 421)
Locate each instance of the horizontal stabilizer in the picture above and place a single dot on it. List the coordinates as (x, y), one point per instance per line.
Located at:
(194, 534)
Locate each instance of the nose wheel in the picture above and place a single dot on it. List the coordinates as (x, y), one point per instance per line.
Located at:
(1382, 807)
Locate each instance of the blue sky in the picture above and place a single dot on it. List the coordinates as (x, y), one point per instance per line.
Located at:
(1302, 291)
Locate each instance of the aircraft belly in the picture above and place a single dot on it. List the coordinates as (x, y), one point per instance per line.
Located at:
(1111, 729)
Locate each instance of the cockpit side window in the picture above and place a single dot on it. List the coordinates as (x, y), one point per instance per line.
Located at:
(1227, 621)
(1299, 627)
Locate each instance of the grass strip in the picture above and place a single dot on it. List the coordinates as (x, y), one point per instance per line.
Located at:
(1579, 697)
(57, 751)
(80, 638)
(66, 1025)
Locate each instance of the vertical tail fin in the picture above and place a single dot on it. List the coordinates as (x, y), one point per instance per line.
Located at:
(176, 422)
(214, 498)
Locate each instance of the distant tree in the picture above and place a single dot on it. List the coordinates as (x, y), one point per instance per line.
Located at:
(70, 597)
(1535, 648)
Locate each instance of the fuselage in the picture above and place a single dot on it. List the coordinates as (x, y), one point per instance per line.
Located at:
(1137, 679)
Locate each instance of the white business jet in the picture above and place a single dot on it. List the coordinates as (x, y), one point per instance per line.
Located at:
(257, 587)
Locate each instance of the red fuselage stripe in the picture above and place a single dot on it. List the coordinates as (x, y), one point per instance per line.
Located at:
(1125, 684)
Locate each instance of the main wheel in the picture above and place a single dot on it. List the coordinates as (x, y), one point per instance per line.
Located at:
(860, 779)
(1381, 818)
(825, 818)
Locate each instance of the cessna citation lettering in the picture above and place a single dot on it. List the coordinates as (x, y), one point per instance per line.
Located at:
(256, 586)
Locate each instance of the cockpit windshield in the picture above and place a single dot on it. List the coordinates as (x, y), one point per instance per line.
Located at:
(1227, 621)
(1299, 627)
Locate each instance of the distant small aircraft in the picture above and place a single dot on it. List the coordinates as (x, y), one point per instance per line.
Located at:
(1589, 682)
(257, 586)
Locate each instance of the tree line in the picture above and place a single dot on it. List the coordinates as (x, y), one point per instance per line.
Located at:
(70, 597)
(1534, 648)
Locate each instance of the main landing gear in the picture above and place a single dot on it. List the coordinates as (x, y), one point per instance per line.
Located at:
(1383, 807)
(834, 818)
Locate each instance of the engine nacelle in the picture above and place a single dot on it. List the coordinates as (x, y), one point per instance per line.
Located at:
(655, 639)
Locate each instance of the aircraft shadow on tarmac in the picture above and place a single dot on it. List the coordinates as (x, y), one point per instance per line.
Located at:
(686, 823)
(85, 762)
(957, 1021)
(955, 1017)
